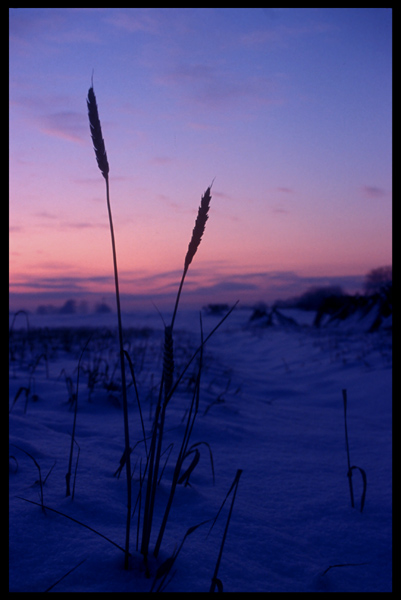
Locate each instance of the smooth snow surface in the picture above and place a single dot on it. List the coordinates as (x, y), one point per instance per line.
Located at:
(271, 404)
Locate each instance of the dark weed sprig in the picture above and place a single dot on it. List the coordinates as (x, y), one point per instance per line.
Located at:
(40, 481)
(234, 486)
(350, 469)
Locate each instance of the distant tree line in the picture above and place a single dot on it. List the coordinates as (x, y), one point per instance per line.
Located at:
(332, 302)
(377, 281)
(72, 307)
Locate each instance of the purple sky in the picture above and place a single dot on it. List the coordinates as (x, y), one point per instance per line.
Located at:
(290, 110)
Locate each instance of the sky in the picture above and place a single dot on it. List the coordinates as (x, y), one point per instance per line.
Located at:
(287, 111)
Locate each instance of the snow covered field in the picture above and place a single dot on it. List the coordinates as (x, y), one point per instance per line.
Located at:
(271, 404)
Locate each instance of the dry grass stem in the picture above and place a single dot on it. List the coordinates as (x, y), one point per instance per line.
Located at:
(234, 486)
(101, 157)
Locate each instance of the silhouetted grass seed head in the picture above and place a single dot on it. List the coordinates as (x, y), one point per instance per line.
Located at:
(96, 133)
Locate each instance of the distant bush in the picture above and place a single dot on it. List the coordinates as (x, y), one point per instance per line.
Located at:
(339, 308)
(378, 279)
(269, 317)
(216, 309)
(260, 311)
(46, 309)
(68, 308)
(102, 308)
(313, 298)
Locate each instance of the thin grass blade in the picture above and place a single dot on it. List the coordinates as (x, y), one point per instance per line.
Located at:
(235, 486)
(74, 520)
(64, 576)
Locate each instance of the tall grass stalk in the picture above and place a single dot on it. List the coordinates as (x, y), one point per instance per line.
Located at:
(166, 384)
(183, 450)
(151, 480)
(101, 158)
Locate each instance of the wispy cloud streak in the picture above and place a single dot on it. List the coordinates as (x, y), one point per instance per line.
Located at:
(372, 191)
(212, 87)
(67, 125)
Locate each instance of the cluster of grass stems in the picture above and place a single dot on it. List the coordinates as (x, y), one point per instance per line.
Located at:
(149, 479)
(151, 472)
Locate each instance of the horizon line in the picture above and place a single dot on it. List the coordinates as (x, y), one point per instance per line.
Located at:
(275, 287)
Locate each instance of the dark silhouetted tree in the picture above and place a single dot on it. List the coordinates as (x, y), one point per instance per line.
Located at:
(102, 308)
(69, 308)
(377, 279)
(313, 298)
